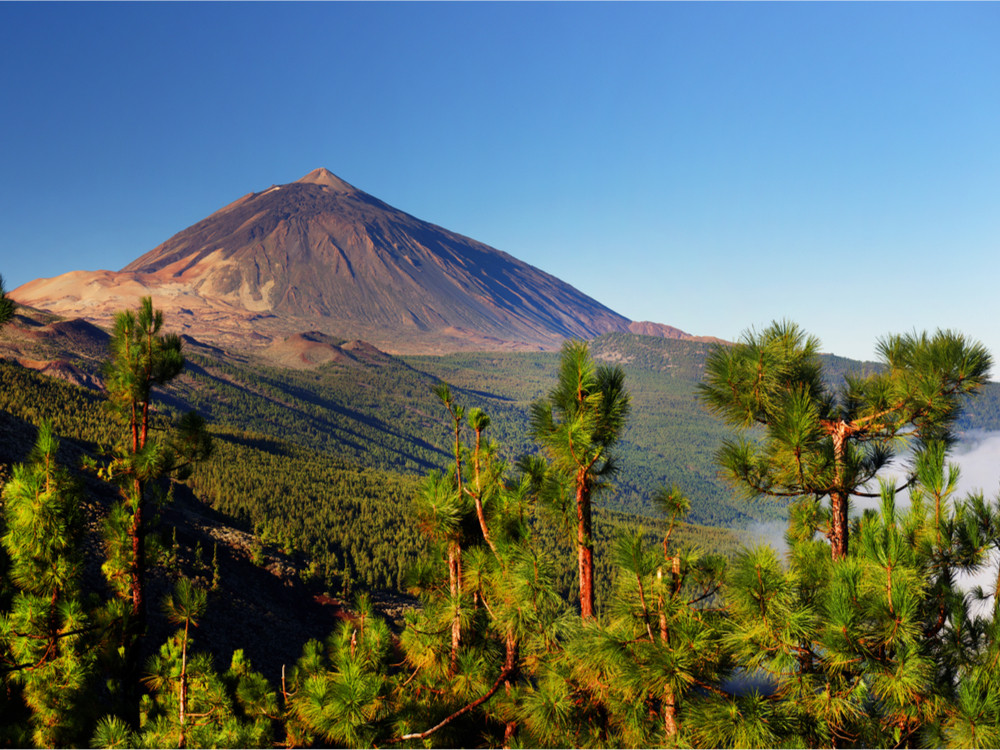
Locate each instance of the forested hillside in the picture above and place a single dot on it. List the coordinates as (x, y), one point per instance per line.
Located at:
(547, 615)
(542, 619)
(671, 438)
(340, 508)
(372, 411)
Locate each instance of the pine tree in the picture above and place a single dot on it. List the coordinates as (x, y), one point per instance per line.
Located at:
(577, 426)
(452, 528)
(47, 631)
(7, 306)
(440, 511)
(339, 691)
(658, 645)
(142, 358)
(510, 610)
(185, 607)
(190, 704)
(820, 443)
(876, 649)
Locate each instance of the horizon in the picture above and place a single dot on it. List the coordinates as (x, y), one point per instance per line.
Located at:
(834, 165)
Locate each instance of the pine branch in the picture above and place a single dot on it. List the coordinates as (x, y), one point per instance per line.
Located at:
(505, 673)
(53, 639)
(705, 595)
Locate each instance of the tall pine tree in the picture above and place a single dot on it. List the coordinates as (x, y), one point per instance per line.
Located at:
(823, 443)
(578, 426)
(142, 358)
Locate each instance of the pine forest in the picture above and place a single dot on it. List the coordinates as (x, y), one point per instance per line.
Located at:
(502, 549)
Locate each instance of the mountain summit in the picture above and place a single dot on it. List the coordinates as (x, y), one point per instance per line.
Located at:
(323, 176)
(319, 254)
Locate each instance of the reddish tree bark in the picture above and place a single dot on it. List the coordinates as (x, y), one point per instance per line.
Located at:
(585, 547)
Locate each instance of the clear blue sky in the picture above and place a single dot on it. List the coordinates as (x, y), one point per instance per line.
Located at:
(709, 166)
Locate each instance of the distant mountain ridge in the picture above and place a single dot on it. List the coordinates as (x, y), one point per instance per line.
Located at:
(320, 255)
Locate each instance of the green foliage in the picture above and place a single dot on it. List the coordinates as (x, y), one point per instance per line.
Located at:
(862, 649)
(112, 732)
(686, 648)
(669, 437)
(190, 704)
(232, 709)
(577, 426)
(821, 443)
(43, 522)
(340, 691)
(438, 508)
(526, 670)
(7, 306)
(373, 413)
(141, 358)
(583, 416)
(45, 645)
(876, 648)
(74, 412)
(343, 517)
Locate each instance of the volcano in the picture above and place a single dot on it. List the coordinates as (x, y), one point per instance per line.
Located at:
(320, 255)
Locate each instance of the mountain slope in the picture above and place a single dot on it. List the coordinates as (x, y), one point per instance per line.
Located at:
(319, 254)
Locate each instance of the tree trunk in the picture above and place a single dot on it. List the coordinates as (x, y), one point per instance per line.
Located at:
(135, 626)
(137, 569)
(455, 576)
(135, 429)
(145, 425)
(585, 548)
(645, 609)
(838, 496)
(838, 525)
(182, 741)
(669, 712)
(669, 699)
(455, 551)
(508, 733)
(996, 597)
(478, 497)
(510, 669)
(510, 659)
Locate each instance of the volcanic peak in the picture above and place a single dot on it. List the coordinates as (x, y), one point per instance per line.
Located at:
(326, 178)
(319, 254)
